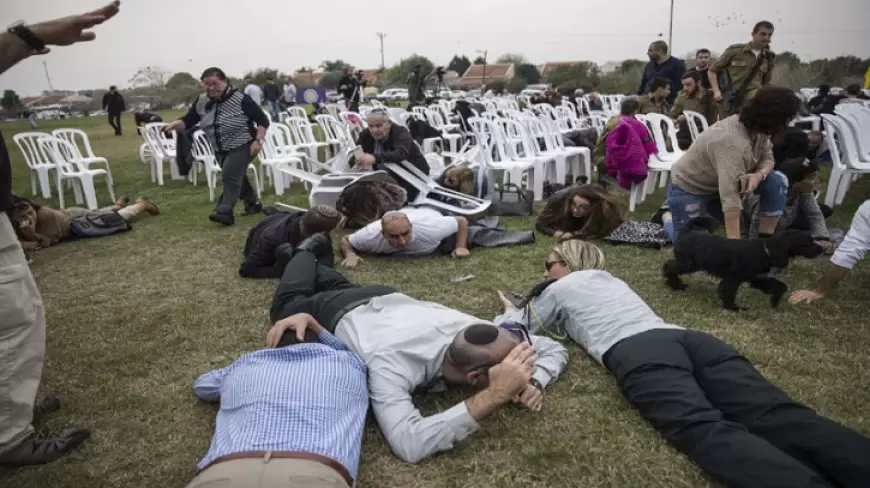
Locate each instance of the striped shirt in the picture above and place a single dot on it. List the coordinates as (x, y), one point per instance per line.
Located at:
(228, 123)
(305, 398)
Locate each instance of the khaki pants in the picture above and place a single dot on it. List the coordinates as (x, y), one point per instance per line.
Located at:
(268, 473)
(22, 340)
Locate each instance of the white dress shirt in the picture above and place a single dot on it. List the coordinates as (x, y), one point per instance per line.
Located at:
(428, 229)
(403, 341)
(857, 241)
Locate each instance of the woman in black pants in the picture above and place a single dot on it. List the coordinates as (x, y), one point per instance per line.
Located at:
(235, 127)
(701, 394)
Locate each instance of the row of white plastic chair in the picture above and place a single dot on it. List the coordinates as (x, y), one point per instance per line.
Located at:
(848, 136)
(67, 154)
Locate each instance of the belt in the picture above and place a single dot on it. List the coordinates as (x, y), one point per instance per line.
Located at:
(266, 455)
(332, 321)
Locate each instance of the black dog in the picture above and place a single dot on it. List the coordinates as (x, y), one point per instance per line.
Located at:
(736, 261)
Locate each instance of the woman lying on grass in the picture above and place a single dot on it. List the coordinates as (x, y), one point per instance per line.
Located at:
(701, 394)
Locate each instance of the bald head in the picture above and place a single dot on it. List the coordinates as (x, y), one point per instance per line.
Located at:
(397, 229)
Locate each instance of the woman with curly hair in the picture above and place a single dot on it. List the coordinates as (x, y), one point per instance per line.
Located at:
(581, 212)
(731, 160)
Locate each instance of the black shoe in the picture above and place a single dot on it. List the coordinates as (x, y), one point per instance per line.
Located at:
(44, 448)
(222, 219)
(283, 255)
(318, 244)
(46, 404)
(253, 209)
(657, 217)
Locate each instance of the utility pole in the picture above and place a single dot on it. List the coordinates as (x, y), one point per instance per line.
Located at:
(671, 30)
(382, 35)
(484, 68)
(47, 76)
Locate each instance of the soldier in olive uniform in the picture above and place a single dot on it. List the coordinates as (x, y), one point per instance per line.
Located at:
(693, 97)
(738, 60)
(656, 101)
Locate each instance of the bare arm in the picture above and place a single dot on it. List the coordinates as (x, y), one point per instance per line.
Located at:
(12, 51)
(346, 249)
(462, 233)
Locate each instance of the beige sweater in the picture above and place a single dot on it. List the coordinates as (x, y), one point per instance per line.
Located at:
(717, 160)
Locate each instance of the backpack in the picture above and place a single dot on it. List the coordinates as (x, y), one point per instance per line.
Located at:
(98, 224)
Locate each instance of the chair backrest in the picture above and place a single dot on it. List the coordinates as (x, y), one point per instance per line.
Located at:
(849, 154)
(834, 140)
(201, 148)
(297, 112)
(655, 122)
(79, 140)
(34, 153)
(302, 131)
(161, 144)
(697, 123)
(62, 154)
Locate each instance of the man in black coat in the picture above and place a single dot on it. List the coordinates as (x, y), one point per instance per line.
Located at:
(113, 103)
(282, 228)
(385, 142)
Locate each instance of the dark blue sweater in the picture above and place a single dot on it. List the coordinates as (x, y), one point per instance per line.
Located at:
(673, 69)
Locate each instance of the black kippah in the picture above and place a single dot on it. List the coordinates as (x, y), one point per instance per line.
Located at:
(481, 334)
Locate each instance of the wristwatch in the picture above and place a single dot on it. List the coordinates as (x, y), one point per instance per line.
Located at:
(25, 34)
(537, 384)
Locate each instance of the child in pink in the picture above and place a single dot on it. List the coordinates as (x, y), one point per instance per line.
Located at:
(629, 146)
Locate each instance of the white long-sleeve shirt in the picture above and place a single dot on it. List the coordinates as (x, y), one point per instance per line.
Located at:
(403, 341)
(856, 244)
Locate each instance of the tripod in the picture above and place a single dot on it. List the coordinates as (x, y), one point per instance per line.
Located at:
(357, 97)
(440, 86)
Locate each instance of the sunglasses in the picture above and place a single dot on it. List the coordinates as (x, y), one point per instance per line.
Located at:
(518, 329)
(549, 264)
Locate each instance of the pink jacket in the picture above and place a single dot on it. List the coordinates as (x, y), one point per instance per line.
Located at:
(629, 146)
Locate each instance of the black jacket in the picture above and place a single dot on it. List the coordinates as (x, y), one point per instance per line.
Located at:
(264, 239)
(398, 146)
(673, 69)
(5, 178)
(113, 102)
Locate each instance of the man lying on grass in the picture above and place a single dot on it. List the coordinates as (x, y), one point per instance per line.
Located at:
(410, 345)
(701, 394)
(291, 415)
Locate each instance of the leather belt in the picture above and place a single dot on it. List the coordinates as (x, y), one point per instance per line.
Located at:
(333, 320)
(266, 455)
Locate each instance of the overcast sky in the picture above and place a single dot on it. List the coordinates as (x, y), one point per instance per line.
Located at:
(239, 35)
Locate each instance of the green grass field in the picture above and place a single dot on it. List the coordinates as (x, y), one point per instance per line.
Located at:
(134, 319)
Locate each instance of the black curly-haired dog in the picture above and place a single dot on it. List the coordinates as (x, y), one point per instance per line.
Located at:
(736, 261)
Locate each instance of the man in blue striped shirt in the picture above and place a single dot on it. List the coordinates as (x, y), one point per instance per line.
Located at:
(291, 416)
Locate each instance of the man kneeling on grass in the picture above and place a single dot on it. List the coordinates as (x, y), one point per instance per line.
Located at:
(290, 416)
(409, 232)
(411, 346)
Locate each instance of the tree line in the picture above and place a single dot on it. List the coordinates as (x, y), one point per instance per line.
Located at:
(177, 88)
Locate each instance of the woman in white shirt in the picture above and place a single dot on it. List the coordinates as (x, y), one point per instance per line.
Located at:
(701, 394)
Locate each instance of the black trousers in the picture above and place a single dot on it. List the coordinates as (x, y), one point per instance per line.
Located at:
(321, 291)
(115, 122)
(715, 407)
(234, 176)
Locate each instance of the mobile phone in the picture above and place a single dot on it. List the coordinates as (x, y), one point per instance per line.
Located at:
(514, 298)
(460, 279)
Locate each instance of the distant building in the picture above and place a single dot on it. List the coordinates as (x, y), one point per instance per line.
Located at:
(547, 68)
(479, 74)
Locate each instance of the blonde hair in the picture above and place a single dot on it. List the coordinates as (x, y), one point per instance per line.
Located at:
(579, 255)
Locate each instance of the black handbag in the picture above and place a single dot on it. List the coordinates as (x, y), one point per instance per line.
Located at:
(511, 201)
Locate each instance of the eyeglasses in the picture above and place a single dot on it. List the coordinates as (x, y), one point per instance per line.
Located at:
(549, 264)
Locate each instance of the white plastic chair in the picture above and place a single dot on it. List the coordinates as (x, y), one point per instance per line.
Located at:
(434, 195)
(78, 139)
(697, 123)
(70, 168)
(847, 163)
(162, 147)
(38, 160)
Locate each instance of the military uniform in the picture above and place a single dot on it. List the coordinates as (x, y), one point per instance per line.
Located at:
(648, 105)
(738, 60)
(701, 101)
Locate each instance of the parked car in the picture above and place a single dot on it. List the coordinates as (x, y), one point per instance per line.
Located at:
(393, 94)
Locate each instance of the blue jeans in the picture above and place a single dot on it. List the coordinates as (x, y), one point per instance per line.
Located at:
(274, 110)
(685, 206)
